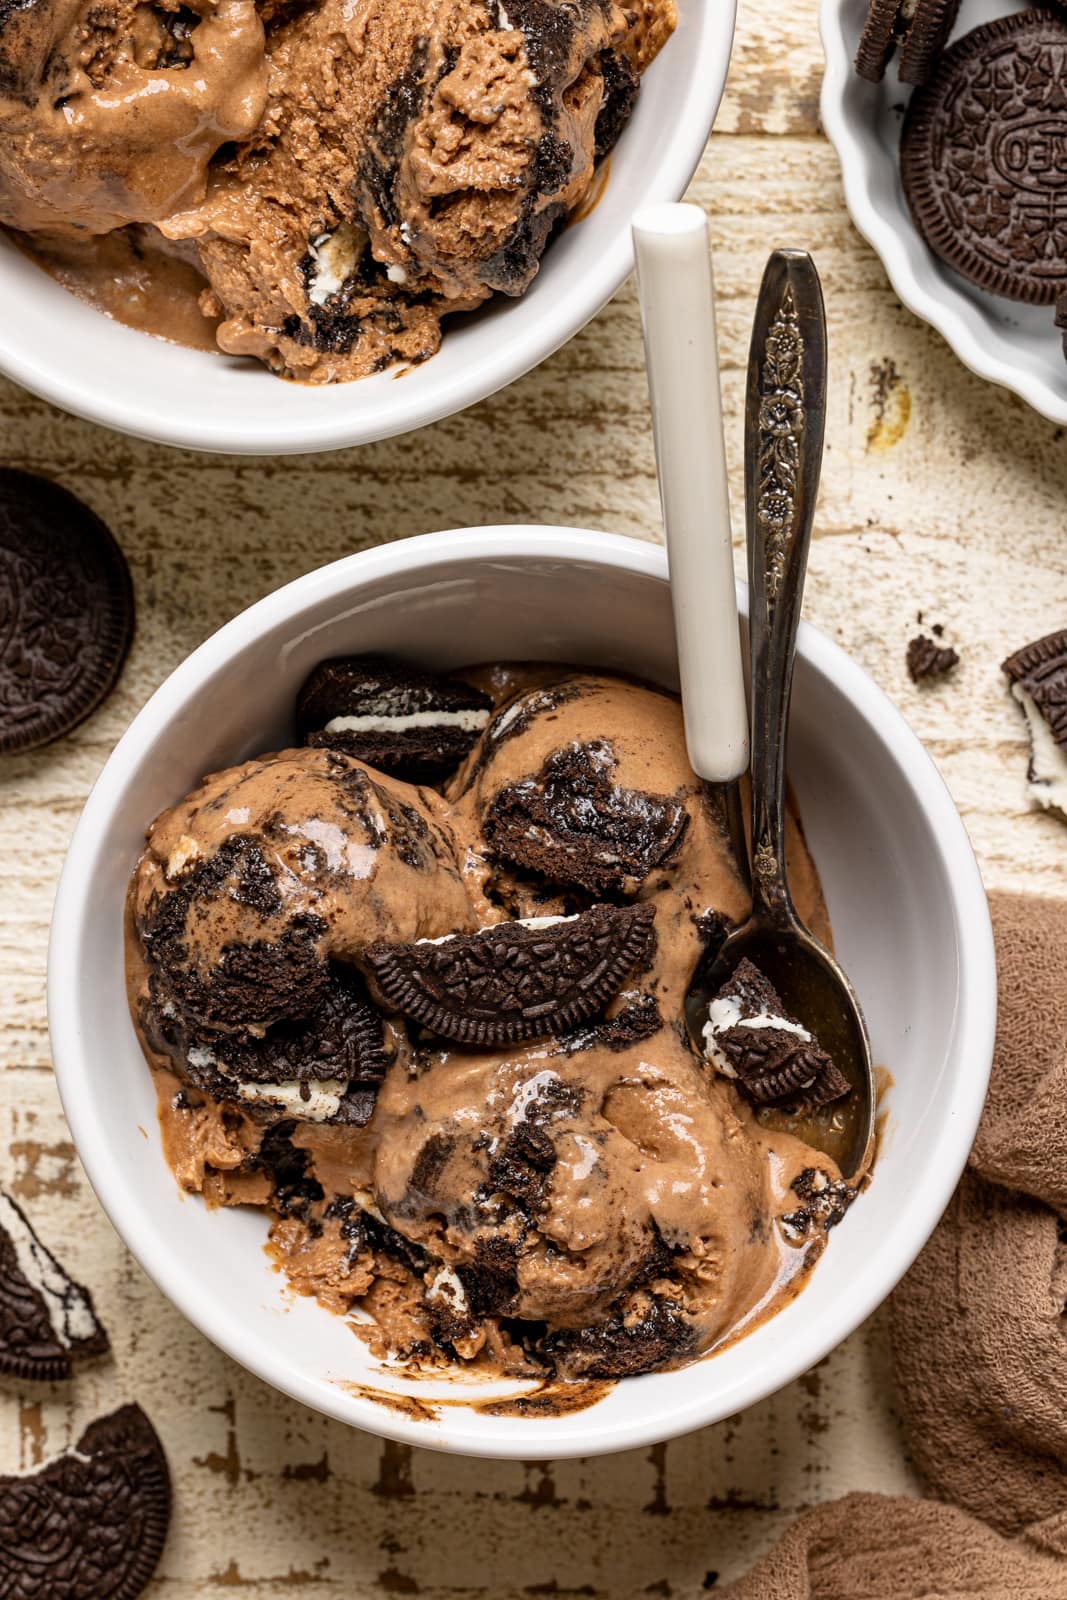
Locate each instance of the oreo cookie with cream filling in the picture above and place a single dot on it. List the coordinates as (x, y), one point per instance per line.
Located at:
(90, 1524)
(325, 1067)
(47, 1321)
(919, 29)
(978, 156)
(770, 1056)
(1038, 676)
(413, 724)
(514, 980)
(572, 823)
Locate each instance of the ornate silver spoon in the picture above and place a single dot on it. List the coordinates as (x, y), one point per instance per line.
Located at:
(785, 417)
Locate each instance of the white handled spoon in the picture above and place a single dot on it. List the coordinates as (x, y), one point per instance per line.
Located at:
(676, 291)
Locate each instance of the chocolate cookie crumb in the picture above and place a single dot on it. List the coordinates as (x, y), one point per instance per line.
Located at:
(927, 659)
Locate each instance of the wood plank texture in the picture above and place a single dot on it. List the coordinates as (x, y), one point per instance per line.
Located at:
(941, 494)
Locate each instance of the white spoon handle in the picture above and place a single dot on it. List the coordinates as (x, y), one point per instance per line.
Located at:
(678, 312)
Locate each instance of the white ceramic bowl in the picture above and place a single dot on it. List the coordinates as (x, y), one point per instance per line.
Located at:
(908, 908)
(82, 361)
(1015, 345)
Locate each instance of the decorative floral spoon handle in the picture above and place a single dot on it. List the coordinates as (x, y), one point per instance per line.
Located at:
(785, 415)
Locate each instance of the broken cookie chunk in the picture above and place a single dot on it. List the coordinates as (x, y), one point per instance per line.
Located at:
(47, 1321)
(1038, 676)
(927, 659)
(750, 1039)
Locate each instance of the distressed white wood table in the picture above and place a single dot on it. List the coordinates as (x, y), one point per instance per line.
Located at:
(940, 494)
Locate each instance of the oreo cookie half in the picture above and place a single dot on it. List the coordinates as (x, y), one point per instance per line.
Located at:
(514, 981)
(67, 604)
(47, 1321)
(416, 725)
(573, 824)
(749, 1038)
(325, 1067)
(919, 28)
(91, 1525)
(1038, 676)
(984, 190)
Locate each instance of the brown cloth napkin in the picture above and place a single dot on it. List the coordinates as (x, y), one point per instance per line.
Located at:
(979, 1341)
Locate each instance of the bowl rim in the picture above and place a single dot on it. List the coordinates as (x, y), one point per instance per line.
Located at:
(577, 299)
(910, 266)
(72, 925)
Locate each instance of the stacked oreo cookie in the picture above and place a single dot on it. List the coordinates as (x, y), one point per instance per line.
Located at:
(983, 150)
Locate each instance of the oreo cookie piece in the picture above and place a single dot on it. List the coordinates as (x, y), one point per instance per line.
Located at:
(91, 1525)
(1061, 319)
(325, 1067)
(823, 1205)
(514, 981)
(749, 1038)
(416, 725)
(918, 28)
(623, 1346)
(1038, 676)
(278, 975)
(928, 659)
(67, 603)
(573, 824)
(47, 1321)
(978, 157)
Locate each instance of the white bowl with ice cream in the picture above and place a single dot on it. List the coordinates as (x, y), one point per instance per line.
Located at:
(908, 910)
(86, 363)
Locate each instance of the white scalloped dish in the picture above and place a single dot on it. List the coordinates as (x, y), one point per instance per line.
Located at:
(1018, 346)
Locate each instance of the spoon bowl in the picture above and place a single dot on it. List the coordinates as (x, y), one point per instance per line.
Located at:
(813, 988)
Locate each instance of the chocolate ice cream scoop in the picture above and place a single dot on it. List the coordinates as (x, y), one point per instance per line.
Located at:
(265, 872)
(110, 113)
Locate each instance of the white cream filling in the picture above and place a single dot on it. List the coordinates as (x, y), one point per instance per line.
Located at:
(68, 1310)
(1048, 760)
(184, 851)
(447, 1286)
(535, 923)
(472, 720)
(323, 1099)
(336, 256)
(724, 1014)
(396, 273)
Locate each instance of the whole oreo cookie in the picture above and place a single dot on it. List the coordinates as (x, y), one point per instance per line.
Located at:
(572, 823)
(983, 157)
(67, 604)
(516, 980)
(918, 28)
(91, 1525)
(47, 1321)
(414, 724)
